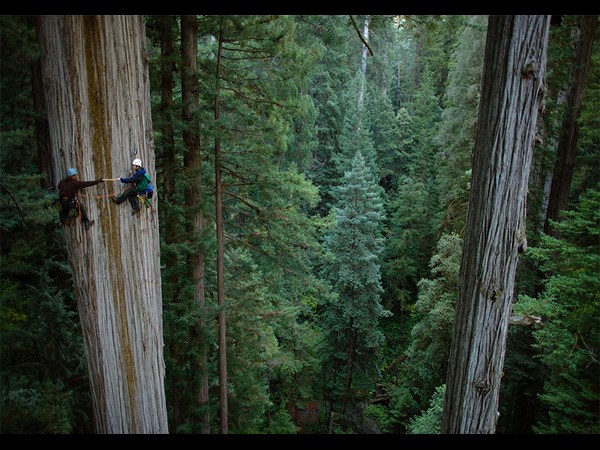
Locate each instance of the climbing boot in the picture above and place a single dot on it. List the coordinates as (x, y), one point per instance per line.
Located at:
(135, 211)
(89, 223)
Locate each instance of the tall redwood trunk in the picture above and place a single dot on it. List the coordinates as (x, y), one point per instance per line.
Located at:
(567, 141)
(98, 103)
(193, 192)
(511, 97)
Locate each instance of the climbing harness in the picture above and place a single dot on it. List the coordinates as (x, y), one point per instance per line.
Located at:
(73, 204)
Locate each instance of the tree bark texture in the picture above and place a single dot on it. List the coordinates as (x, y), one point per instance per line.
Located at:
(98, 103)
(363, 64)
(567, 140)
(193, 192)
(511, 99)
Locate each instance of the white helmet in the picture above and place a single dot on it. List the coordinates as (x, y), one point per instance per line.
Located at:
(137, 162)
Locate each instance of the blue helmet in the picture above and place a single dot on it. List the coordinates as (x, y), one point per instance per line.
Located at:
(72, 171)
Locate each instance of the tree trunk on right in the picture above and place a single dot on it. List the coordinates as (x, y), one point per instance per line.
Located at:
(193, 193)
(511, 97)
(567, 141)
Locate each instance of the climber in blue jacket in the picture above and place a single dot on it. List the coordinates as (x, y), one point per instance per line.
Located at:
(140, 186)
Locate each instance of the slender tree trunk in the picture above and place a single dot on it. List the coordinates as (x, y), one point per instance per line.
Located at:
(511, 97)
(193, 192)
(349, 365)
(567, 141)
(224, 422)
(98, 103)
(166, 26)
(331, 409)
(330, 420)
(363, 64)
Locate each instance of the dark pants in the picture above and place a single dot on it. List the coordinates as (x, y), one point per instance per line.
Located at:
(130, 194)
(71, 204)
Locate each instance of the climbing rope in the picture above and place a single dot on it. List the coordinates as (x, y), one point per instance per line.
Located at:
(114, 194)
(145, 203)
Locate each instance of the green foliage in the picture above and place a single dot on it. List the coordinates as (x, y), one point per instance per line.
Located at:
(331, 74)
(280, 422)
(588, 151)
(459, 118)
(17, 127)
(424, 366)
(381, 416)
(430, 421)
(409, 242)
(266, 221)
(356, 135)
(351, 320)
(427, 115)
(435, 311)
(568, 338)
(48, 391)
(388, 142)
(43, 408)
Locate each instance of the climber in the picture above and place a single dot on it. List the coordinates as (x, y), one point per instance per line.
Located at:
(140, 186)
(67, 197)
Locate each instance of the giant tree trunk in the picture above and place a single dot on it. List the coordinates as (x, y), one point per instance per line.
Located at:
(567, 141)
(97, 95)
(193, 192)
(511, 96)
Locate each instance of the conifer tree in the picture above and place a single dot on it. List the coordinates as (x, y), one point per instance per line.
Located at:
(328, 83)
(262, 199)
(354, 245)
(423, 368)
(569, 132)
(356, 135)
(567, 338)
(386, 136)
(457, 128)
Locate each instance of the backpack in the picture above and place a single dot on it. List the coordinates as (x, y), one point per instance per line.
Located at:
(144, 183)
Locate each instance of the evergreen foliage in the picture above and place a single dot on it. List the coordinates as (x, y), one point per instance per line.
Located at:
(425, 363)
(457, 128)
(354, 245)
(568, 339)
(430, 421)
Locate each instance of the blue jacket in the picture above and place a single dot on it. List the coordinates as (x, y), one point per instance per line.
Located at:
(136, 178)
